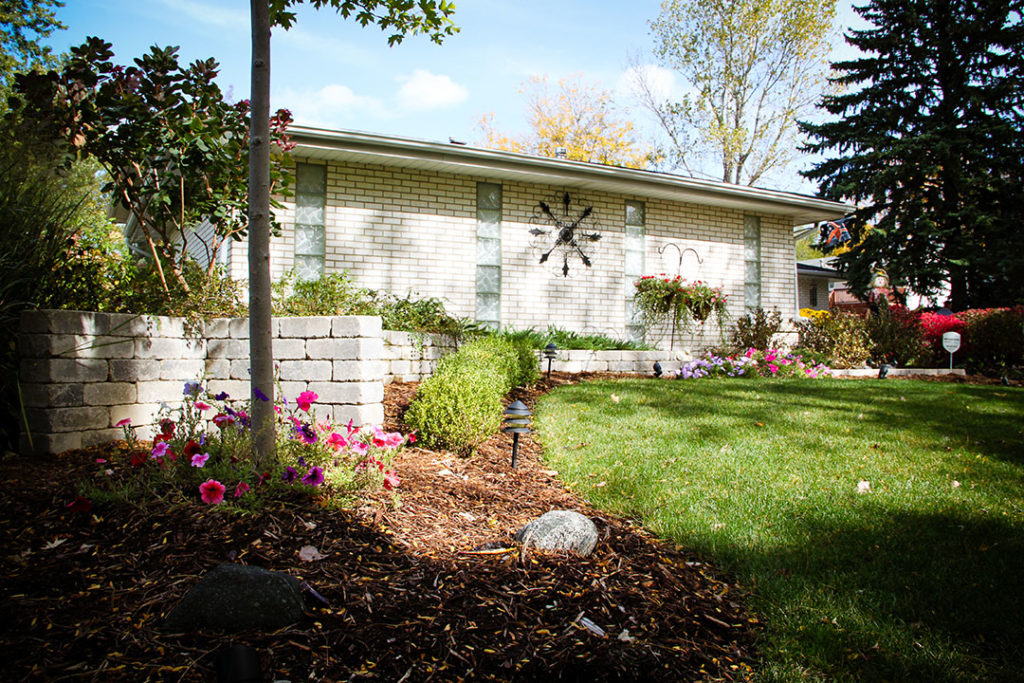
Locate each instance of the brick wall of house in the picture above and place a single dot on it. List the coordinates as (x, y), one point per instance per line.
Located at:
(411, 231)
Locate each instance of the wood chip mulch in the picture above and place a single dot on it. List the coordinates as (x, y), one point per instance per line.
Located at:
(427, 586)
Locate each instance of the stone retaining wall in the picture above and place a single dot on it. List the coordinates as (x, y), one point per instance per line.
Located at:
(81, 373)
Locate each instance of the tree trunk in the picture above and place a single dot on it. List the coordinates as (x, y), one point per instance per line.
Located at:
(260, 343)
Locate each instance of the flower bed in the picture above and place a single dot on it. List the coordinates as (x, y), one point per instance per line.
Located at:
(752, 363)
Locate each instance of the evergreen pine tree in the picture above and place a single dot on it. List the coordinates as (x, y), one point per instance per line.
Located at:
(930, 145)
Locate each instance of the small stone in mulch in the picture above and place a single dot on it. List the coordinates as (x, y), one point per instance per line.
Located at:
(560, 530)
(233, 598)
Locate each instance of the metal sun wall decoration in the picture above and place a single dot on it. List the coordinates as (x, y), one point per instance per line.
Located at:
(564, 227)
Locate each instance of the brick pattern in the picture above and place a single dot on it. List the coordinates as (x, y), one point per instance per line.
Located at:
(81, 373)
(412, 231)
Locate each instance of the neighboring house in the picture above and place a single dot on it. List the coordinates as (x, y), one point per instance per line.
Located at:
(815, 281)
(466, 225)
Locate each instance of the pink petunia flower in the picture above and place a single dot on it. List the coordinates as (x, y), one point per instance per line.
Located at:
(199, 459)
(160, 450)
(337, 441)
(212, 492)
(305, 400)
(773, 368)
(391, 480)
(202, 406)
(393, 440)
(241, 489)
(124, 423)
(359, 447)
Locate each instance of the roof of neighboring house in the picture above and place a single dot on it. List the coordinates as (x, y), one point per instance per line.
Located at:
(352, 146)
(816, 268)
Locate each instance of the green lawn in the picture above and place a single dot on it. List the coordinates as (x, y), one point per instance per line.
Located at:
(920, 578)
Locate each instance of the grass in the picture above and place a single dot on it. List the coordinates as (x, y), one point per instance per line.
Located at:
(918, 579)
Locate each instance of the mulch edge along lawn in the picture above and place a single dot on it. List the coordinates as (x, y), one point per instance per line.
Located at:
(430, 589)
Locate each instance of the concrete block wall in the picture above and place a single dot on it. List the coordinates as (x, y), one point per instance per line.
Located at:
(81, 373)
(411, 357)
(414, 231)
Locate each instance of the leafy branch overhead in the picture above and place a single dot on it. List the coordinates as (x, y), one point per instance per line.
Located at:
(175, 150)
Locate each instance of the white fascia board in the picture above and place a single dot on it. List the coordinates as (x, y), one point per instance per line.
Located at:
(487, 163)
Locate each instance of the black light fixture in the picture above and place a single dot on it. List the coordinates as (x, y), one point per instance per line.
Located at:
(550, 353)
(657, 369)
(517, 421)
(883, 371)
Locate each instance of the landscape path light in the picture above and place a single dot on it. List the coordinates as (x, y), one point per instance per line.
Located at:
(550, 351)
(517, 421)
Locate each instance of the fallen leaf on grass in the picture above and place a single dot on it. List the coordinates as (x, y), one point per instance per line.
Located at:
(615, 398)
(863, 486)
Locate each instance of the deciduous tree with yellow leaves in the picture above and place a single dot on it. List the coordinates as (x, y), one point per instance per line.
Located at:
(575, 115)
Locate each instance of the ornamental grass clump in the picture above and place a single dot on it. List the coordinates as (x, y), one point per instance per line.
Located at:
(202, 452)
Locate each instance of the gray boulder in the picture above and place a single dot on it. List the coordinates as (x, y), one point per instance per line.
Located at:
(560, 530)
(234, 597)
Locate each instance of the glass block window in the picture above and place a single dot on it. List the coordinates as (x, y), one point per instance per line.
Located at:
(310, 233)
(751, 263)
(488, 254)
(635, 247)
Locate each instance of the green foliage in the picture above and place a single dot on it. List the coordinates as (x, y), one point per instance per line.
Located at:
(896, 336)
(926, 139)
(175, 151)
(570, 340)
(756, 329)
(840, 337)
(459, 406)
(22, 24)
(337, 294)
(994, 339)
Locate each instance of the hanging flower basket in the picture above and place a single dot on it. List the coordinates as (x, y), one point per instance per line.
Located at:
(662, 299)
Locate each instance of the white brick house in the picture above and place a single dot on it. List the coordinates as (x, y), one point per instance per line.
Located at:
(453, 222)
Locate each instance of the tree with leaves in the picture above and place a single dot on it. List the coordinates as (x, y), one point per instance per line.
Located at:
(22, 24)
(174, 149)
(928, 140)
(749, 70)
(400, 17)
(579, 117)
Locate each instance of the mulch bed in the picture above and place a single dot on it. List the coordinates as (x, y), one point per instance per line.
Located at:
(425, 587)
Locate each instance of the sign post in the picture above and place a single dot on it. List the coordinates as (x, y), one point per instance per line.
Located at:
(951, 342)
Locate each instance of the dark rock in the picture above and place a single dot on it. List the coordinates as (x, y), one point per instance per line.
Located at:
(234, 597)
(560, 530)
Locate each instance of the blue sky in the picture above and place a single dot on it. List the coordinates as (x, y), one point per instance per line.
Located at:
(333, 73)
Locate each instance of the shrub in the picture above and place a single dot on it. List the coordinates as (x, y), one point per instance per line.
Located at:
(840, 337)
(568, 340)
(755, 330)
(458, 407)
(994, 338)
(934, 325)
(897, 336)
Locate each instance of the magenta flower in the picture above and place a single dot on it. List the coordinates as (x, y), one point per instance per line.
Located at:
(199, 459)
(391, 480)
(314, 477)
(202, 406)
(80, 504)
(241, 489)
(160, 450)
(337, 441)
(212, 492)
(124, 423)
(393, 440)
(305, 399)
(359, 447)
(290, 475)
(773, 368)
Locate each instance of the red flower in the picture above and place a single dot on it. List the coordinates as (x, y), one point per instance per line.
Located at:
(192, 448)
(80, 504)
(212, 492)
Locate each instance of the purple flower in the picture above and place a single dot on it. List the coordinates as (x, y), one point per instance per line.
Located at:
(192, 389)
(314, 477)
(222, 396)
(160, 450)
(259, 394)
(199, 459)
(306, 433)
(290, 475)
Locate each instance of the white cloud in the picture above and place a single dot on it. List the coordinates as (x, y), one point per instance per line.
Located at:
(660, 81)
(332, 106)
(422, 90)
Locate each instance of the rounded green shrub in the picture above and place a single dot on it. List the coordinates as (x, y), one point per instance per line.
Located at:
(459, 406)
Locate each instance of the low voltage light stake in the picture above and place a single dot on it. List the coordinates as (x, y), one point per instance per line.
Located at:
(550, 353)
(517, 421)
